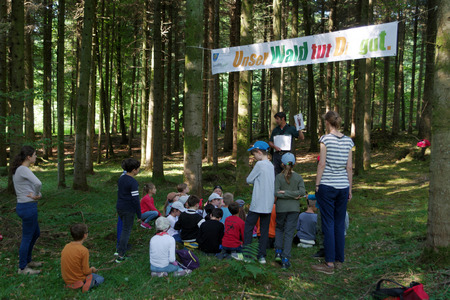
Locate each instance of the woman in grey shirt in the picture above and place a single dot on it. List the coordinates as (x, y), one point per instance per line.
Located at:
(28, 192)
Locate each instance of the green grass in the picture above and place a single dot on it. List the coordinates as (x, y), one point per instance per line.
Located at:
(386, 237)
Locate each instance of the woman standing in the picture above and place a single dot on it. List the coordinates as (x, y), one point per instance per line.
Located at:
(333, 190)
(28, 192)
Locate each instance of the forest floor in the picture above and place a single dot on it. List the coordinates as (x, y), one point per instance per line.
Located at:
(386, 237)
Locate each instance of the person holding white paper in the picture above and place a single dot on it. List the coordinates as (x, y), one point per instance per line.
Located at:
(282, 140)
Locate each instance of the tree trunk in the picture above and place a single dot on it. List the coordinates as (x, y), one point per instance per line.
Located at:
(312, 121)
(123, 128)
(157, 87)
(134, 87)
(237, 33)
(276, 73)
(398, 81)
(205, 77)
(387, 61)
(293, 102)
(368, 99)
(15, 126)
(209, 7)
(47, 80)
(438, 231)
(419, 89)
(348, 104)
(178, 41)
(60, 93)
(3, 89)
(425, 120)
(90, 132)
(216, 86)
(193, 91)
(79, 176)
(168, 110)
(360, 96)
(29, 75)
(146, 80)
(245, 84)
(413, 72)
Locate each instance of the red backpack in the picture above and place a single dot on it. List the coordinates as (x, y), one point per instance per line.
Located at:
(415, 291)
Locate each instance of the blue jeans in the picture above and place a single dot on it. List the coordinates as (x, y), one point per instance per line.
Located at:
(30, 231)
(177, 238)
(333, 205)
(96, 280)
(264, 222)
(149, 215)
(169, 269)
(285, 232)
(127, 220)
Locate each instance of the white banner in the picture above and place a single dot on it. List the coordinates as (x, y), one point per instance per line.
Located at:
(355, 43)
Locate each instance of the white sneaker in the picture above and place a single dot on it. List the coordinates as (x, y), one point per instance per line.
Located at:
(237, 256)
(262, 260)
(28, 271)
(34, 264)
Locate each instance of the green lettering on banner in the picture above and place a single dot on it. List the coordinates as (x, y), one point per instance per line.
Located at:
(277, 54)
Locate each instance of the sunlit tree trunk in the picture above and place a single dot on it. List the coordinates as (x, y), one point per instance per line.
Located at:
(193, 91)
(90, 132)
(387, 61)
(79, 176)
(438, 231)
(245, 84)
(169, 89)
(293, 102)
(177, 29)
(60, 93)
(368, 99)
(419, 88)
(413, 72)
(348, 104)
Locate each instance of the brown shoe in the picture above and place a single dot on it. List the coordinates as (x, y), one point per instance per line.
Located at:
(35, 264)
(28, 271)
(323, 268)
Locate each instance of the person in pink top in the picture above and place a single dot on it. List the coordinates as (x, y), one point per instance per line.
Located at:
(148, 209)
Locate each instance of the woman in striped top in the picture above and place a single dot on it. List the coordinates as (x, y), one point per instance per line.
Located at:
(333, 190)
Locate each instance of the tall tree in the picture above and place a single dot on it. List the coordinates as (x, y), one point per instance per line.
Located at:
(276, 73)
(79, 175)
(3, 78)
(193, 91)
(386, 68)
(47, 80)
(120, 101)
(312, 112)
(177, 29)
(438, 231)
(245, 90)
(169, 80)
(431, 29)
(293, 102)
(209, 78)
(367, 98)
(29, 71)
(157, 87)
(15, 126)
(413, 70)
(363, 6)
(60, 93)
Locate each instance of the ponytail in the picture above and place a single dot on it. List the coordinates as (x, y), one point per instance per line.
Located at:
(288, 172)
(21, 157)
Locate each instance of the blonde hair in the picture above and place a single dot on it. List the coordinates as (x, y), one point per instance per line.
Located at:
(287, 171)
(228, 198)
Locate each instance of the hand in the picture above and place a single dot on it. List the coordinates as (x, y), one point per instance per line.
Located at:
(280, 192)
(94, 270)
(349, 195)
(299, 196)
(277, 148)
(317, 188)
(30, 195)
(175, 263)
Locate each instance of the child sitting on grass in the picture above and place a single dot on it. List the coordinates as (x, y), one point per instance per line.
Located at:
(227, 200)
(189, 223)
(75, 268)
(162, 252)
(234, 234)
(175, 212)
(211, 232)
(183, 189)
(307, 225)
(148, 209)
(171, 198)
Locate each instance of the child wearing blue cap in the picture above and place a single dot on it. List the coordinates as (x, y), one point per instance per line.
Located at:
(263, 178)
(289, 188)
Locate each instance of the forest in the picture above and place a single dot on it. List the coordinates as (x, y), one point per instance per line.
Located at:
(92, 82)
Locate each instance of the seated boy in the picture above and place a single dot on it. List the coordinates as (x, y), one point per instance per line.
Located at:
(307, 225)
(162, 252)
(189, 223)
(75, 268)
(227, 200)
(234, 234)
(214, 200)
(211, 232)
(175, 212)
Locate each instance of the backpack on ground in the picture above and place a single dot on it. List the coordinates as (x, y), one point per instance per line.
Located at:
(187, 259)
(415, 291)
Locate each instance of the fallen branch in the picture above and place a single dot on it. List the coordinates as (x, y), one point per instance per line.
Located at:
(259, 295)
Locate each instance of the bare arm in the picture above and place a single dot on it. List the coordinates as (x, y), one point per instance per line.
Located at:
(350, 174)
(271, 144)
(300, 135)
(321, 165)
